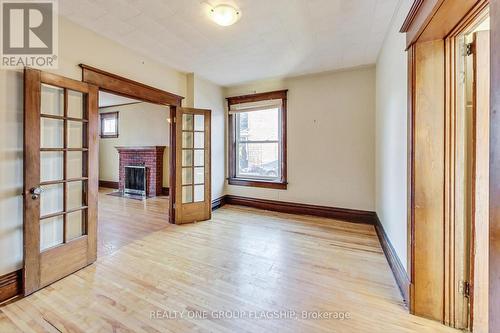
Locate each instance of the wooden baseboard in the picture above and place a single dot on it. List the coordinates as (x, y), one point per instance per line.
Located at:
(108, 184)
(397, 267)
(165, 191)
(343, 214)
(11, 285)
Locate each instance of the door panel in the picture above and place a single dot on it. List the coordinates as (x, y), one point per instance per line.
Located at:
(60, 177)
(480, 225)
(193, 200)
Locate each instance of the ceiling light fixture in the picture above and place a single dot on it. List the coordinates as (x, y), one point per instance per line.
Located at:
(224, 15)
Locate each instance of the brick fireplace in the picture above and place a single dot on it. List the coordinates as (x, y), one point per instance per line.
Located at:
(149, 156)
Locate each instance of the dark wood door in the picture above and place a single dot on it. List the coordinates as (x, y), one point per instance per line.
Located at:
(192, 165)
(60, 177)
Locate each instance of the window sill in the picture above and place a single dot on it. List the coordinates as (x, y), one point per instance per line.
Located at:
(258, 183)
(109, 136)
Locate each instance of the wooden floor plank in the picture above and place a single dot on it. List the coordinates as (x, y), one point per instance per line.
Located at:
(244, 260)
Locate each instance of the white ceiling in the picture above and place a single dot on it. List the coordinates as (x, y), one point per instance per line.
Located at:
(274, 38)
(107, 99)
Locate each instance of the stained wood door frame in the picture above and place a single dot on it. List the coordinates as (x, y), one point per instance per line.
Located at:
(434, 24)
(125, 87)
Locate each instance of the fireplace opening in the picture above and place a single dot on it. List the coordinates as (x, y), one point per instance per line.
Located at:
(135, 179)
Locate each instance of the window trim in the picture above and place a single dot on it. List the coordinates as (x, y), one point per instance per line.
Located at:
(108, 115)
(282, 183)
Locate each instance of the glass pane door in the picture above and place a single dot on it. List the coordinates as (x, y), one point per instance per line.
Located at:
(192, 165)
(63, 165)
(193, 158)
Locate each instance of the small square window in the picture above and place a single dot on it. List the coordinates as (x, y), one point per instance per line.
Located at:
(109, 125)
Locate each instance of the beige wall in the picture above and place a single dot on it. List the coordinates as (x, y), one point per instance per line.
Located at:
(210, 96)
(331, 138)
(142, 124)
(77, 45)
(391, 134)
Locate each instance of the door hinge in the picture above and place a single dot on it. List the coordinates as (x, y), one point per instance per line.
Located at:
(470, 49)
(465, 288)
(173, 206)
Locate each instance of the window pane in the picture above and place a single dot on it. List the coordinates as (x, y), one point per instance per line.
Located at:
(52, 133)
(109, 126)
(74, 224)
(199, 175)
(51, 232)
(187, 157)
(258, 125)
(187, 176)
(75, 134)
(199, 140)
(75, 104)
(199, 157)
(187, 122)
(52, 100)
(199, 193)
(187, 139)
(259, 160)
(51, 199)
(51, 166)
(199, 122)
(187, 194)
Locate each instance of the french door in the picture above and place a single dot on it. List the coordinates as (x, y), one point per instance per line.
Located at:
(60, 177)
(192, 165)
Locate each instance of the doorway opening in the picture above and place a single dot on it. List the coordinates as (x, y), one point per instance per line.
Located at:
(134, 144)
(61, 173)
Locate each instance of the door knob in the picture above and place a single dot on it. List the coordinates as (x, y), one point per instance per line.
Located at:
(35, 192)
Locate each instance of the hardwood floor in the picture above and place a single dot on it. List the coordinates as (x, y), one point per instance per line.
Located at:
(244, 261)
(122, 220)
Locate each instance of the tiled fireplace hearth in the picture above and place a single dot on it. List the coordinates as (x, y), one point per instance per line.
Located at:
(149, 156)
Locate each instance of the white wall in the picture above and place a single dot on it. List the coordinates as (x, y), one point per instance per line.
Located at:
(331, 139)
(208, 95)
(391, 135)
(77, 45)
(142, 124)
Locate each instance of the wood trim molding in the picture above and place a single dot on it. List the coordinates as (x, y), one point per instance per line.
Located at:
(343, 214)
(398, 270)
(494, 190)
(118, 105)
(128, 88)
(165, 191)
(257, 183)
(430, 20)
(278, 94)
(108, 184)
(11, 285)
(415, 8)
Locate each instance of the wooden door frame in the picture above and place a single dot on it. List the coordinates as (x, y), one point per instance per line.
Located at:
(122, 86)
(437, 21)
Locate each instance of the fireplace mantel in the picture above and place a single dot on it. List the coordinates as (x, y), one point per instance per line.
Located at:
(140, 148)
(149, 156)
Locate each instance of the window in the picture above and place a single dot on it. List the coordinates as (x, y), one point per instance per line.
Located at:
(109, 125)
(258, 140)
